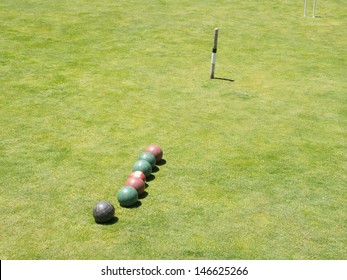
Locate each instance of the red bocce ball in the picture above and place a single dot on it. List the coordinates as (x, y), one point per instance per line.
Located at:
(156, 151)
(137, 183)
(138, 174)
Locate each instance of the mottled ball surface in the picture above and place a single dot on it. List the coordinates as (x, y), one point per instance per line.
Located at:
(103, 212)
(144, 166)
(138, 174)
(127, 196)
(148, 157)
(156, 151)
(136, 183)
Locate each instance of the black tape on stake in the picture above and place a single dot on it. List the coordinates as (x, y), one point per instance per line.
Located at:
(214, 53)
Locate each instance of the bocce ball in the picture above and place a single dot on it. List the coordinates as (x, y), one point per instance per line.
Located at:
(144, 166)
(137, 183)
(156, 151)
(149, 157)
(103, 212)
(138, 174)
(127, 196)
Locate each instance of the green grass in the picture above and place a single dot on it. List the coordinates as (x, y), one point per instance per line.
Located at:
(255, 168)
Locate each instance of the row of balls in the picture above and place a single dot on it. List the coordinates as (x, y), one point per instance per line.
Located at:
(134, 186)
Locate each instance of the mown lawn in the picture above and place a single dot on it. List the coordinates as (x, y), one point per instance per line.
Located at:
(255, 167)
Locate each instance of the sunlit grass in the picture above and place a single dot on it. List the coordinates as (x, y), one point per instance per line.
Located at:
(255, 168)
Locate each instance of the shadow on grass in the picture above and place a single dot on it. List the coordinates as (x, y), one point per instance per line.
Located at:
(111, 222)
(224, 79)
(143, 195)
(155, 169)
(161, 162)
(150, 178)
(136, 205)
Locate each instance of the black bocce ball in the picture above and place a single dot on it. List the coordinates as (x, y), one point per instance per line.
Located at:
(103, 212)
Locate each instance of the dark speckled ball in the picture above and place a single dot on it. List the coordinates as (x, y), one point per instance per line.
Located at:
(103, 212)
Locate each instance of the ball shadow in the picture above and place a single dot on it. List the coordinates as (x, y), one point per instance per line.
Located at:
(111, 222)
(143, 195)
(155, 169)
(161, 162)
(136, 205)
(150, 178)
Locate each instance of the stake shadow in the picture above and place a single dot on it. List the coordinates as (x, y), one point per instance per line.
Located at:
(224, 79)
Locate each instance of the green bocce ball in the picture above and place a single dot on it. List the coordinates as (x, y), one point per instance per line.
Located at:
(148, 157)
(127, 196)
(144, 166)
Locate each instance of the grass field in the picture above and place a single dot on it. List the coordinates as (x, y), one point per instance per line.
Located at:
(255, 167)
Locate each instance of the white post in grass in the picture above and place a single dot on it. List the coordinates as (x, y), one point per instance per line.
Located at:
(214, 53)
(305, 5)
(314, 8)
